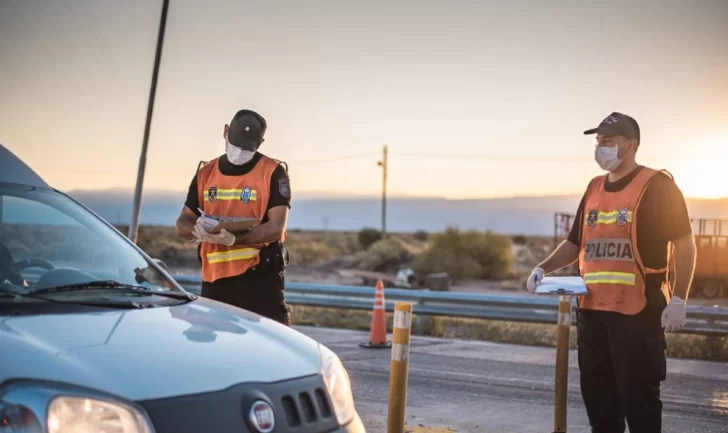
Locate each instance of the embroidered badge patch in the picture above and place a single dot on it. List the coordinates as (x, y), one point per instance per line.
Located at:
(245, 194)
(622, 216)
(283, 187)
(591, 219)
(212, 194)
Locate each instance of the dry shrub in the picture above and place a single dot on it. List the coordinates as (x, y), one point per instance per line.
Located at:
(384, 255)
(368, 237)
(307, 253)
(163, 243)
(467, 255)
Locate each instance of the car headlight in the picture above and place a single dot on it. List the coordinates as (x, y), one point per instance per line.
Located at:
(35, 406)
(87, 415)
(338, 385)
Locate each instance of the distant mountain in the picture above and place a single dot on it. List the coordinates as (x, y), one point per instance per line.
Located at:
(520, 215)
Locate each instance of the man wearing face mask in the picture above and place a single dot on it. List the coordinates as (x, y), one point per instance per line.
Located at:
(241, 269)
(631, 233)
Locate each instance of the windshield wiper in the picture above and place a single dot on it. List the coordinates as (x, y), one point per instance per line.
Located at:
(111, 284)
(5, 291)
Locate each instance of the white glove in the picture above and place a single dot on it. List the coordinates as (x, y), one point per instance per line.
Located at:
(222, 238)
(207, 223)
(535, 279)
(673, 317)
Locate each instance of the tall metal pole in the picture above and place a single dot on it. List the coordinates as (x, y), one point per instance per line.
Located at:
(134, 225)
(383, 164)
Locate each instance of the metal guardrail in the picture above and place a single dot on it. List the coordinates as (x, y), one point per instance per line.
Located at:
(711, 321)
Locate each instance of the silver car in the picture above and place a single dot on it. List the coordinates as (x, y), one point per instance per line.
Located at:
(95, 336)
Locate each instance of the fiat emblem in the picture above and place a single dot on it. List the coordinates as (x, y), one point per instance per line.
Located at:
(262, 417)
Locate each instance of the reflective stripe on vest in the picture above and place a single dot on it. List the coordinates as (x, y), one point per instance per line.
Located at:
(608, 260)
(231, 194)
(626, 278)
(232, 255)
(612, 217)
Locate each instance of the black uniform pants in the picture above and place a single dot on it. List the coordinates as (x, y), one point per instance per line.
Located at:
(622, 363)
(257, 290)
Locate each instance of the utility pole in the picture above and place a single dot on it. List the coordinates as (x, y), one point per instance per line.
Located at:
(383, 164)
(134, 224)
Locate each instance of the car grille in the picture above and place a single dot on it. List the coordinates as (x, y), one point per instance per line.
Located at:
(306, 407)
(301, 405)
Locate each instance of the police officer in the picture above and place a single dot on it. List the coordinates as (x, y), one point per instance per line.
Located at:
(631, 231)
(243, 269)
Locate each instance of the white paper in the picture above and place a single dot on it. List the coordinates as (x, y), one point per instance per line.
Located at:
(562, 286)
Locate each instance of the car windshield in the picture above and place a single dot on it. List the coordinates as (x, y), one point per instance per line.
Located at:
(49, 244)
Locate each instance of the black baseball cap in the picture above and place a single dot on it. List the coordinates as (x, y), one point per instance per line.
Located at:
(617, 124)
(247, 130)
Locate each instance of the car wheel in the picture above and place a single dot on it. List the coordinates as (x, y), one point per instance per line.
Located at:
(712, 289)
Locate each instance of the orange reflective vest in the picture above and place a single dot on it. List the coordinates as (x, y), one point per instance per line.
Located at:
(609, 261)
(243, 196)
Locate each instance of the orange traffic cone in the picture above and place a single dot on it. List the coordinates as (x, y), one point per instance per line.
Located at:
(378, 332)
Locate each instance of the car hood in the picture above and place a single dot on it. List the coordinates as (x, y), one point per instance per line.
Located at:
(153, 353)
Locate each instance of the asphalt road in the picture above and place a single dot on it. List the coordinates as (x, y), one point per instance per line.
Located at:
(486, 387)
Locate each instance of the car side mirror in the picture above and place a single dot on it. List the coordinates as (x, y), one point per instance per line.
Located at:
(160, 263)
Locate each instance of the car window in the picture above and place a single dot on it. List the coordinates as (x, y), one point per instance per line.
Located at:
(33, 230)
(48, 240)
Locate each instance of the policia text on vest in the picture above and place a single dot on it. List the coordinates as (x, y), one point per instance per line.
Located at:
(243, 269)
(633, 242)
(611, 249)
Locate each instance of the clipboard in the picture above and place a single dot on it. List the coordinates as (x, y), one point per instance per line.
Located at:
(235, 226)
(231, 224)
(560, 286)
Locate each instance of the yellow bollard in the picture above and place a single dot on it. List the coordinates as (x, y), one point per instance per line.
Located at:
(562, 363)
(399, 367)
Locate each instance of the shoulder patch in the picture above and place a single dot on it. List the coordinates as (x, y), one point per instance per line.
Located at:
(284, 187)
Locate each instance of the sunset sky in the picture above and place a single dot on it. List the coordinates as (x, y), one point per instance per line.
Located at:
(473, 98)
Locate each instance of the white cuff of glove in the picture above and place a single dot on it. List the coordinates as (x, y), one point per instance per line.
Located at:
(677, 300)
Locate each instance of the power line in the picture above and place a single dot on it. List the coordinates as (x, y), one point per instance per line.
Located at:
(333, 159)
(552, 159)
(493, 157)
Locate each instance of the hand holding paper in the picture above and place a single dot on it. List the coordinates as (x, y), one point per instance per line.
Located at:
(222, 238)
(216, 224)
(207, 223)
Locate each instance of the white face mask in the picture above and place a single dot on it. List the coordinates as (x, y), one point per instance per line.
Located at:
(607, 157)
(236, 155)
